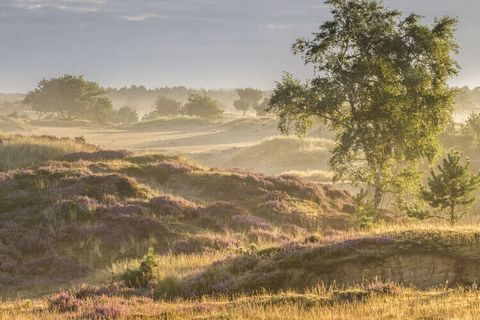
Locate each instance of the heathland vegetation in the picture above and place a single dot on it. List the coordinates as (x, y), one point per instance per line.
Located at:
(177, 203)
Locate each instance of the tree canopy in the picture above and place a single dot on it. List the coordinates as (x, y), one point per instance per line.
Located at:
(452, 187)
(167, 107)
(249, 98)
(201, 105)
(70, 96)
(380, 82)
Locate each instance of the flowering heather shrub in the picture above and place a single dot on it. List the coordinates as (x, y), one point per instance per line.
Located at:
(204, 243)
(104, 312)
(64, 301)
(248, 222)
(173, 205)
(98, 155)
(151, 158)
(293, 230)
(79, 208)
(5, 178)
(97, 186)
(225, 209)
(175, 167)
(162, 171)
(267, 235)
(125, 209)
(357, 242)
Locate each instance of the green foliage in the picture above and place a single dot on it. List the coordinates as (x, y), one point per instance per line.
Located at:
(380, 83)
(142, 276)
(452, 186)
(471, 128)
(125, 115)
(262, 108)
(164, 107)
(365, 212)
(202, 106)
(466, 99)
(70, 96)
(101, 111)
(249, 98)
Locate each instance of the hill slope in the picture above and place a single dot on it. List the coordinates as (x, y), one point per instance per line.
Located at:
(63, 219)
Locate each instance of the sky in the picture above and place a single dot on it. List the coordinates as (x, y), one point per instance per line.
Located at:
(195, 43)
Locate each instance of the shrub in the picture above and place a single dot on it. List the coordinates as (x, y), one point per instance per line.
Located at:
(125, 115)
(142, 276)
(202, 106)
(164, 107)
(64, 301)
(109, 311)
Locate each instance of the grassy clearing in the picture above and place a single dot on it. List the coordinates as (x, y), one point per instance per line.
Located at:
(306, 157)
(24, 151)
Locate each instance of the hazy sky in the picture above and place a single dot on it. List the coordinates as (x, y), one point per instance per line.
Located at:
(197, 43)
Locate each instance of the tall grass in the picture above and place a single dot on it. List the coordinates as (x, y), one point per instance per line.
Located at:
(406, 304)
(24, 151)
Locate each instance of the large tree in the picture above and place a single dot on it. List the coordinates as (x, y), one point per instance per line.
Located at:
(249, 98)
(380, 82)
(70, 96)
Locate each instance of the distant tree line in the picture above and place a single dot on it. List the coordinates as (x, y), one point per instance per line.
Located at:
(197, 105)
(467, 100)
(73, 97)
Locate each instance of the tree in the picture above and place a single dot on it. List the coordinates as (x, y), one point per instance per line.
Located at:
(202, 106)
(471, 128)
(126, 115)
(166, 107)
(70, 96)
(249, 98)
(380, 83)
(451, 187)
(100, 111)
(262, 108)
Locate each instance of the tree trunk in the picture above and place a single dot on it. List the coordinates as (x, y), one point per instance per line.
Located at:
(377, 198)
(244, 111)
(452, 214)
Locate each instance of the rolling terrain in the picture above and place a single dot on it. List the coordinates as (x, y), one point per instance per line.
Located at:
(80, 224)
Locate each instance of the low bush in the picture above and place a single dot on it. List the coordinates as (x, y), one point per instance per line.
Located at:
(144, 275)
(64, 301)
(104, 312)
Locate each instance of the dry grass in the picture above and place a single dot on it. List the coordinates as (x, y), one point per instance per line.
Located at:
(24, 151)
(318, 304)
(306, 157)
(311, 175)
